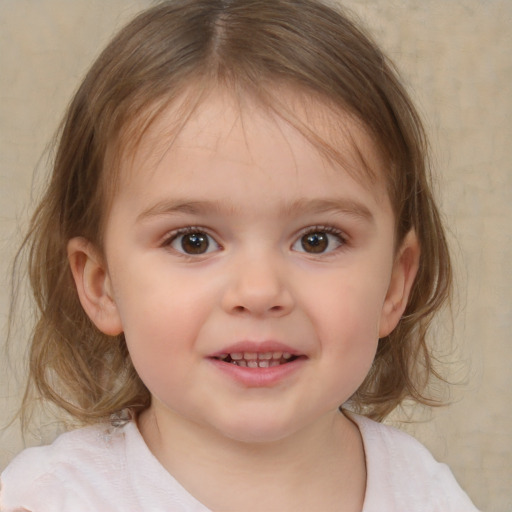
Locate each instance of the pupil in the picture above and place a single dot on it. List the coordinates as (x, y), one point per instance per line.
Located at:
(315, 242)
(195, 243)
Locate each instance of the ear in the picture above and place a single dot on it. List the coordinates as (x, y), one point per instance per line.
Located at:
(94, 286)
(404, 272)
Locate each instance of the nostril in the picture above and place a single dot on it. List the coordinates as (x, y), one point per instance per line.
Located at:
(272, 309)
(256, 300)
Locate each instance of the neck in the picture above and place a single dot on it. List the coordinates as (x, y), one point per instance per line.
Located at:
(314, 469)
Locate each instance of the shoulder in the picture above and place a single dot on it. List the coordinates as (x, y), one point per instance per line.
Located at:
(91, 469)
(403, 474)
(77, 463)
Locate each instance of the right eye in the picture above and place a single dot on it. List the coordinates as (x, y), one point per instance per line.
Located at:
(193, 243)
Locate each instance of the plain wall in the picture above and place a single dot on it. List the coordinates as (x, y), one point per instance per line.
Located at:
(455, 59)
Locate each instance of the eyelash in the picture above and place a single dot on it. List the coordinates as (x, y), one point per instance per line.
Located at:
(329, 230)
(319, 229)
(189, 230)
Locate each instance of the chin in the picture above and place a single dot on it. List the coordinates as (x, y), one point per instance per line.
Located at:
(262, 430)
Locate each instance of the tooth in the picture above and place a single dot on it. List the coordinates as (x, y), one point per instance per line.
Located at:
(242, 363)
(263, 364)
(252, 364)
(236, 356)
(265, 356)
(287, 355)
(273, 363)
(234, 362)
(277, 355)
(222, 356)
(250, 355)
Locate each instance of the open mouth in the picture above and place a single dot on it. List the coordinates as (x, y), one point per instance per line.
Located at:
(257, 359)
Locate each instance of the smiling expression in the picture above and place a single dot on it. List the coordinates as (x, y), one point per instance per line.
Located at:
(252, 278)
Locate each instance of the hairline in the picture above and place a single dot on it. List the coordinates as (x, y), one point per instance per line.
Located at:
(195, 92)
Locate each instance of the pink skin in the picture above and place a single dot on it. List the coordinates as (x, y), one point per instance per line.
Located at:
(254, 186)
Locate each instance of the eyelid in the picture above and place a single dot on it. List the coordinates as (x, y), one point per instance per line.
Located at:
(329, 230)
(172, 236)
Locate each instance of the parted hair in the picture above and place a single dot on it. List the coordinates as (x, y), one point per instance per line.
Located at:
(259, 47)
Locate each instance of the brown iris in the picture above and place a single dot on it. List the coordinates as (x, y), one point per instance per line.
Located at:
(195, 243)
(315, 242)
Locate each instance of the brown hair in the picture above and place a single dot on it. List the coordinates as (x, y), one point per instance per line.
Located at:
(253, 45)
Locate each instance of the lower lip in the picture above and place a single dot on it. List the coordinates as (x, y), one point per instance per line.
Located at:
(259, 377)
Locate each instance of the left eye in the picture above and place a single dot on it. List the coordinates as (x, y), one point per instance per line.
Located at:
(194, 243)
(318, 242)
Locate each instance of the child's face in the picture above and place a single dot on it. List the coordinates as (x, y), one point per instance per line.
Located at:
(238, 243)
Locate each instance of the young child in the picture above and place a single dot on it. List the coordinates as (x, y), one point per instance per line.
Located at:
(238, 237)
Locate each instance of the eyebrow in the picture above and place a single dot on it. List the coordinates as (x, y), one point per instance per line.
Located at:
(169, 207)
(331, 205)
(328, 205)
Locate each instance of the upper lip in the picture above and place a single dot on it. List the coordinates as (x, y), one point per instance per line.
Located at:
(257, 347)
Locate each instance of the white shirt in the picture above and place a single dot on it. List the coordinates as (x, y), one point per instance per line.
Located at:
(103, 468)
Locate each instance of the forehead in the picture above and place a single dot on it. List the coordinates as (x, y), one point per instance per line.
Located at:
(248, 130)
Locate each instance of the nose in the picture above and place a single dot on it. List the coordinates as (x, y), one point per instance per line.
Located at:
(258, 286)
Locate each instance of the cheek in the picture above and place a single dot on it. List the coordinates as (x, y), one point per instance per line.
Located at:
(352, 308)
(349, 350)
(161, 340)
(153, 299)
(347, 323)
(161, 318)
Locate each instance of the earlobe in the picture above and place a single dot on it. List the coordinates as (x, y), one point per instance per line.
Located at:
(404, 272)
(93, 285)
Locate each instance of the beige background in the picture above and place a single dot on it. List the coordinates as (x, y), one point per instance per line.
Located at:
(455, 56)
